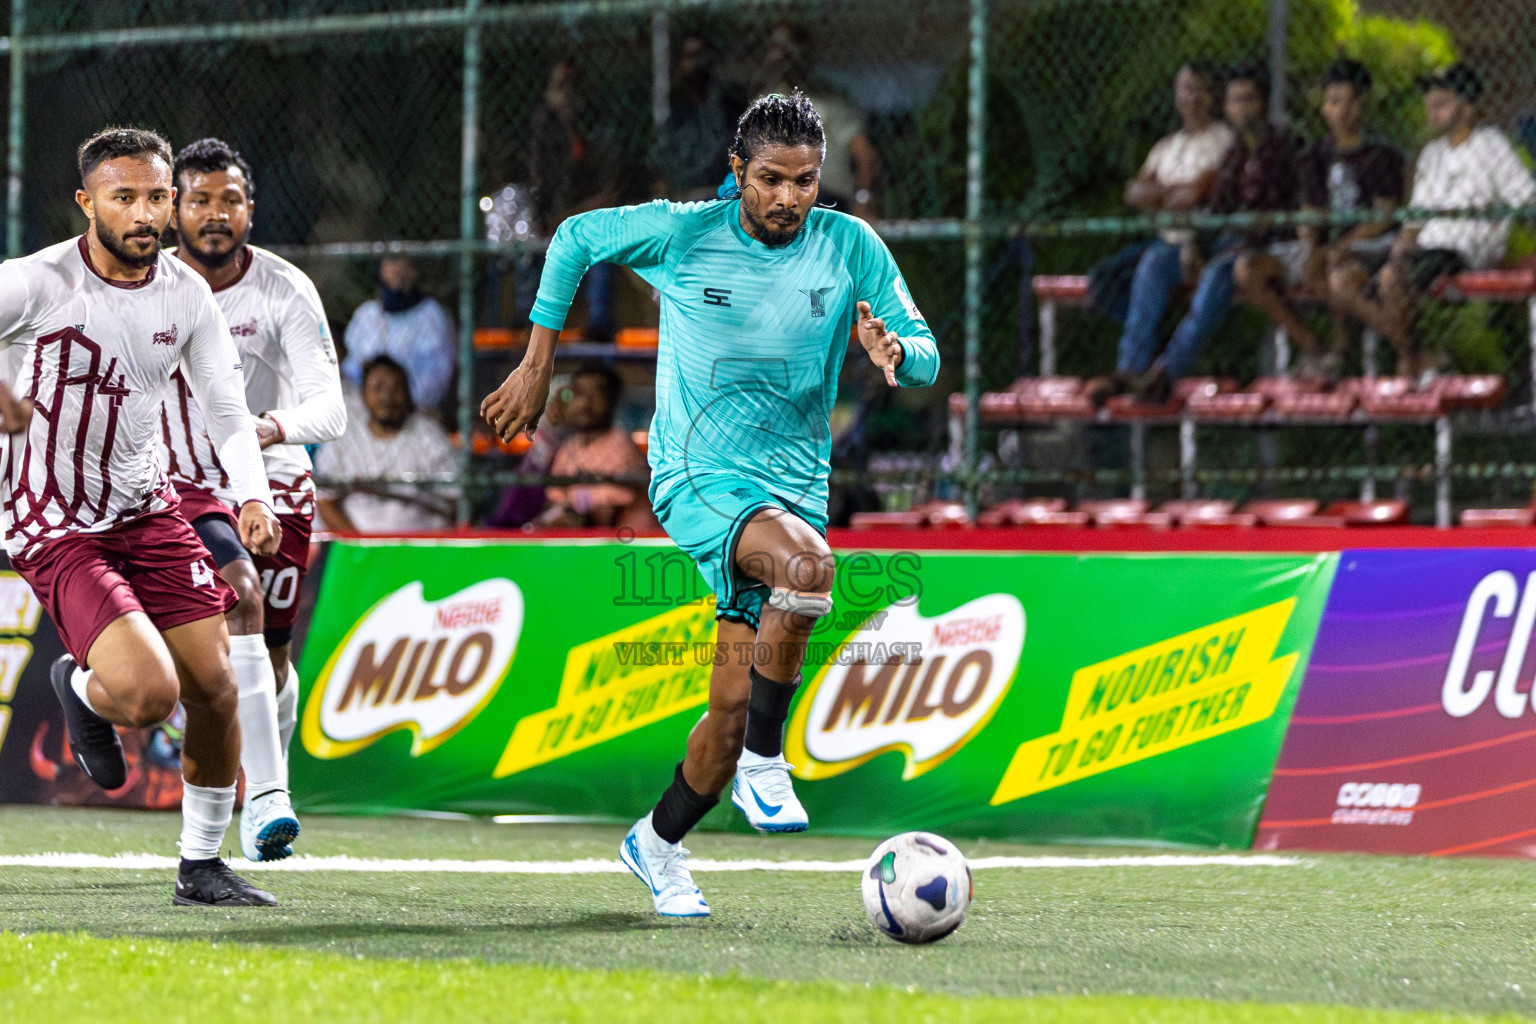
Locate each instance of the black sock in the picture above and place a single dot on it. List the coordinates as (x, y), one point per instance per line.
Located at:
(680, 808)
(767, 710)
(187, 865)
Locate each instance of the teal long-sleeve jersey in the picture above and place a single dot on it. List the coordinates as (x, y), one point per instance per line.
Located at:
(752, 337)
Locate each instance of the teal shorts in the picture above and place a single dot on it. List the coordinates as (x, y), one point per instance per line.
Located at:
(704, 515)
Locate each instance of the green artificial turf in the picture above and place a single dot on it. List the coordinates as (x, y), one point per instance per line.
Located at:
(1406, 934)
(69, 978)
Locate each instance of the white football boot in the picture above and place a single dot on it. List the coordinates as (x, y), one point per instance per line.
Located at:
(765, 795)
(267, 827)
(659, 864)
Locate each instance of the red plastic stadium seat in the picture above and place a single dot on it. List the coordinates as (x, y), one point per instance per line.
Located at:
(1053, 398)
(1291, 512)
(1148, 520)
(1039, 512)
(1369, 513)
(944, 514)
(913, 520)
(1015, 511)
(1227, 405)
(1198, 508)
(1117, 512)
(1485, 391)
(1499, 517)
(1312, 405)
(1035, 515)
(1392, 396)
(1129, 407)
(1065, 288)
(1512, 284)
(1188, 387)
(1112, 506)
(995, 406)
(1275, 387)
(1241, 520)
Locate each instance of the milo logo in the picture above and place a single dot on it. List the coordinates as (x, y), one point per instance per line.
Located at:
(908, 682)
(409, 663)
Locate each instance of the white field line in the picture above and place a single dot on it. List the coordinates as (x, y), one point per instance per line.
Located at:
(155, 862)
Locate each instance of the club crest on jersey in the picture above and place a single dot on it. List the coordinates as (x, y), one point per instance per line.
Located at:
(166, 337)
(818, 297)
(244, 330)
(202, 573)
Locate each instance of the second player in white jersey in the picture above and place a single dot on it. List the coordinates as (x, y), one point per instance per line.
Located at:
(291, 379)
(292, 384)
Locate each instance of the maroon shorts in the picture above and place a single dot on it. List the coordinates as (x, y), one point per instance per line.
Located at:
(282, 574)
(196, 503)
(154, 564)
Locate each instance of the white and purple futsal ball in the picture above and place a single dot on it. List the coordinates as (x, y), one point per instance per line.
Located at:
(917, 887)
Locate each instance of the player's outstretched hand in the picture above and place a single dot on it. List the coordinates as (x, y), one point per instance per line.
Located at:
(259, 530)
(882, 345)
(15, 413)
(519, 402)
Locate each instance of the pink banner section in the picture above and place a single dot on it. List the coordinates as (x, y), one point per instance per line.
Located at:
(1415, 731)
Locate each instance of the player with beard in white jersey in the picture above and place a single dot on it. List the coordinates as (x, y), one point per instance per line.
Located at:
(93, 329)
(291, 379)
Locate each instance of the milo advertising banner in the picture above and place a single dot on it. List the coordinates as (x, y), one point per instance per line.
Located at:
(991, 694)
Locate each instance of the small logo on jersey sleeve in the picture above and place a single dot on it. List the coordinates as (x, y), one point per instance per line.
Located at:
(166, 337)
(202, 573)
(905, 297)
(818, 297)
(327, 347)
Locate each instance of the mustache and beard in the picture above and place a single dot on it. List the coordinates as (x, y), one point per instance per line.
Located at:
(778, 229)
(117, 245)
(213, 260)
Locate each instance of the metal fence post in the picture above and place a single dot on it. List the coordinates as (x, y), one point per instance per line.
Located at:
(16, 134)
(976, 141)
(661, 67)
(468, 205)
(1279, 18)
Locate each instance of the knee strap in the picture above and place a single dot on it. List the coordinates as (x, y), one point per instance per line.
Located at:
(812, 606)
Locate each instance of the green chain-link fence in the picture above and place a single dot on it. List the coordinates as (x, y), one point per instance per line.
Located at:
(989, 140)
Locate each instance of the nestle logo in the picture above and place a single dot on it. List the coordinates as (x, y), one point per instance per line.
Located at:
(244, 330)
(166, 337)
(967, 631)
(468, 613)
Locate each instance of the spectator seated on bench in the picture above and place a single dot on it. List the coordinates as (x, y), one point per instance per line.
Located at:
(1464, 166)
(1342, 173)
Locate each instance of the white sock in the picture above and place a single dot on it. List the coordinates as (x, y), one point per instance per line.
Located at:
(260, 755)
(79, 683)
(288, 710)
(205, 814)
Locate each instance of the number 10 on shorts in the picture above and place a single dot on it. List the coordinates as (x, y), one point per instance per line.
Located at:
(281, 586)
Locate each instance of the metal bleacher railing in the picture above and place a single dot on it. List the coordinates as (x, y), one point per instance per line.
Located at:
(1003, 131)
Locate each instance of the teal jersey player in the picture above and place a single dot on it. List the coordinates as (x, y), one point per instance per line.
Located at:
(758, 297)
(752, 339)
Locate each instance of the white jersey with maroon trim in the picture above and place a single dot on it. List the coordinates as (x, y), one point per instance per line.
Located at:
(96, 356)
(279, 326)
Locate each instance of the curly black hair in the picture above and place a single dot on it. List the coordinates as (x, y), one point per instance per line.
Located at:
(778, 120)
(208, 155)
